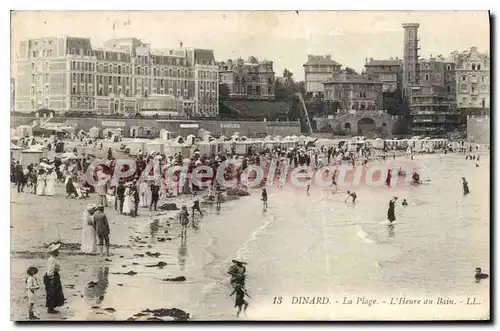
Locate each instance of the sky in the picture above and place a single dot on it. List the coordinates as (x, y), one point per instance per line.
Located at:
(285, 37)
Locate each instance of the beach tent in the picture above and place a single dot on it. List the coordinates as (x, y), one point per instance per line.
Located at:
(156, 145)
(172, 147)
(242, 147)
(29, 156)
(190, 139)
(112, 132)
(209, 148)
(24, 131)
(94, 132)
(15, 152)
(136, 145)
(165, 134)
(202, 133)
(178, 139)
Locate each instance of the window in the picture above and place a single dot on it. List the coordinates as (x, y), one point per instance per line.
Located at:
(109, 80)
(448, 67)
(473, 89)
(483, 103)
(478, 67)
(110, 90)
(33, 54)
(448, 89)
(119, 80)
(473, 66)
(73, 91)
(463, 78)
(119, 68)
(426, 77)
(90, 78)
(482, 79)
(170, 72)
(127, 80)
(46, 78)
(32, 90)
(185, 93)
(81, 77)
(146, 71)
(100, 91)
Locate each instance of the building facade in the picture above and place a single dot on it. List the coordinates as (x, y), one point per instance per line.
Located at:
(389, 72)
(472, 80)
(433, 100)
(410, 56)
(318, 70)
(354, 92)
(68, 74)
(251, 79)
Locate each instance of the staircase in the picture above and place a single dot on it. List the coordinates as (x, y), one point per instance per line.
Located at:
(306, 113)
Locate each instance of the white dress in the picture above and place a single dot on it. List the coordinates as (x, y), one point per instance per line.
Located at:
(51, 182)
(40, 184)
(145, 195)
(89, 240)
(127, 203)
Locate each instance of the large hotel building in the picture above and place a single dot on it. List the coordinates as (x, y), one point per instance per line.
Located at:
(67, 74)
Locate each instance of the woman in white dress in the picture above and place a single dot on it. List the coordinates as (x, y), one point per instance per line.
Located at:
(145, 195)
(127, 203)
(40, 182)
(89, 238)
(50, 188)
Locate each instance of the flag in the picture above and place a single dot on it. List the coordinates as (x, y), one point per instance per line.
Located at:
(113, 27)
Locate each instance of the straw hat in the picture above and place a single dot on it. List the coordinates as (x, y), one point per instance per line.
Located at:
(32, 270)
(238, 262)
(53, 247)
(91, 206)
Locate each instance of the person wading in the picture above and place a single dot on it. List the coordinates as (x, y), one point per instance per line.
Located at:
(184, 220)
(391, 216)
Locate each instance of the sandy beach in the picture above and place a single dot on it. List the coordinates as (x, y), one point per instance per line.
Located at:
(124, 284)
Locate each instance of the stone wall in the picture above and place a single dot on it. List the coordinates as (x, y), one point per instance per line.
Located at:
(183, 128)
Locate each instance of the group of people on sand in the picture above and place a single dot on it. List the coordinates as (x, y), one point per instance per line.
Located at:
(51, 280)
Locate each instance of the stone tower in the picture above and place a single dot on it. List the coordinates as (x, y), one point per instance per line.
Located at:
(410, 57)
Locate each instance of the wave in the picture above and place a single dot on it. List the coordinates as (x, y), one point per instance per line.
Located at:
(363, 235)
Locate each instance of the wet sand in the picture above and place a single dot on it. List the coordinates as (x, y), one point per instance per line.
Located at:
(146, 258)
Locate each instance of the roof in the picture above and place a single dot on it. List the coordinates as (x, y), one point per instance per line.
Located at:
(204, 56)
(382, 63)
(321, 61)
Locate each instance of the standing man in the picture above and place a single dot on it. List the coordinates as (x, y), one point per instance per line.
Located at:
(120, 196)
(134, 191)
(102, 228)
(19, 176)
(155, 195)
(196, 206)
(101, 193)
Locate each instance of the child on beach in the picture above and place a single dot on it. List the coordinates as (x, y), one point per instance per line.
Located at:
(240, 298)
(31, 286)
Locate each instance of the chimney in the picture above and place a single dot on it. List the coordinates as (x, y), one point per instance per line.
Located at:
(366, 60)
(310, 57)
(328, 57)
(371, 59)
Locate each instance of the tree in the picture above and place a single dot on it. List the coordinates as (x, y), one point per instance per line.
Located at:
(224, 91)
